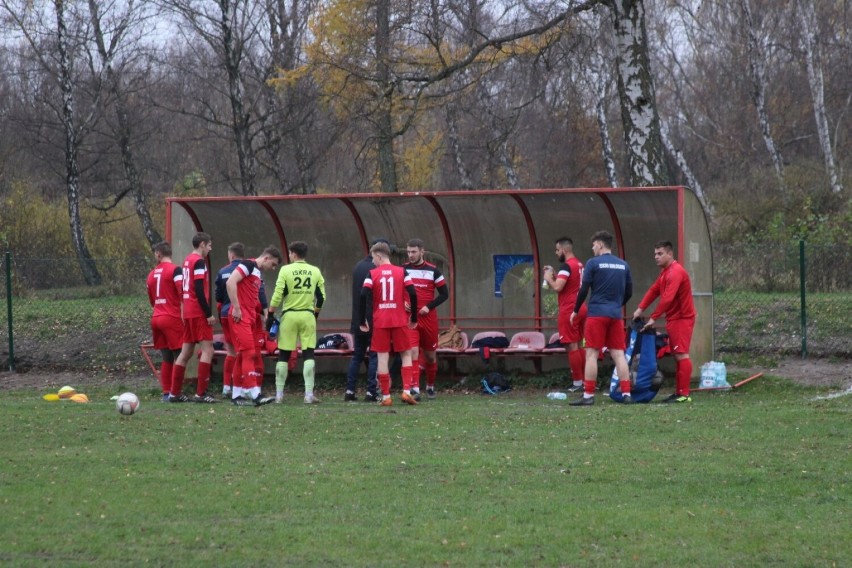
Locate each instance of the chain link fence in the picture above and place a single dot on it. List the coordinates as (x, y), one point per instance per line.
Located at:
(58, 323)
(783, 299)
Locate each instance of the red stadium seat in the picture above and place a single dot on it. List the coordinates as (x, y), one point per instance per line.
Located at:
(526, 342)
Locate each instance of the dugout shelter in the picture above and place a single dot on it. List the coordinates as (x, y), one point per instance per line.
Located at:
(491, 245)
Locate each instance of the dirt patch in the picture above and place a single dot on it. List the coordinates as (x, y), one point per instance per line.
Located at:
(810, 372)
(51, 382)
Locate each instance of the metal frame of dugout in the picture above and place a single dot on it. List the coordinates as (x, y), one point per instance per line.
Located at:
(490, 244)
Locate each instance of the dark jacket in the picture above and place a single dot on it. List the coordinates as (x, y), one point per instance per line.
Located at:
(362, 269)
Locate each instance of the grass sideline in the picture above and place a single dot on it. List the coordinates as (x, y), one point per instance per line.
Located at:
(756, 476)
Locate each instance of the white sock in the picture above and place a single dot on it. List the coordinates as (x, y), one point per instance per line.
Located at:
(237, 392)
(578, 383)
(254, 392)
(279, 394)
(588, 395)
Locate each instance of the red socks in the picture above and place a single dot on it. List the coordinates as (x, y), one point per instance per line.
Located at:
(203, 378)
(166, 376)
(228, 374)
(589, 387)
(415, 375)
(431, 373)
(178, 372)
(384, 383)
(683, 374)
(407, 373)
(577, 362)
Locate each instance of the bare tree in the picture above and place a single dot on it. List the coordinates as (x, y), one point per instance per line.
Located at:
(757, 72)
(227, 27)
(813, 61)
(107, 53)
(56, 57)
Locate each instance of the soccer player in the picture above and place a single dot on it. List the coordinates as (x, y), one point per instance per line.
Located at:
(243, 287)
(236, 253)
(361, 349)
(300, 292)
(165, 286)
(674, 290)
(428, 281)
(608, 278)
(566, 283)
(384, 290)
(198, 321)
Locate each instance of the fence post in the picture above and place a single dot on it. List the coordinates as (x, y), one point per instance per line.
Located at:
(802, 275)
(9, 310)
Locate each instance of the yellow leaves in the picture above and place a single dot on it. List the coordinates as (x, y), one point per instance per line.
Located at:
(420, 160)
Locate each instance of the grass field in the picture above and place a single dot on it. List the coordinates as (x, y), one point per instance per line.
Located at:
(754, 477)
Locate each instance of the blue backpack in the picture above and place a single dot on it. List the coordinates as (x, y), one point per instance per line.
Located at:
(641, 354)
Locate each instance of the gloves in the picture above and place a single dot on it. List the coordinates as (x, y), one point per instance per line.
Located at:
(270, 321)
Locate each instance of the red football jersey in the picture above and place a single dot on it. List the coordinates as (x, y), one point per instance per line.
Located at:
(572, 272)
(426, 279)
(165, 284)
(248, 288)
(675, 292)
(194, 268)
(388, 283)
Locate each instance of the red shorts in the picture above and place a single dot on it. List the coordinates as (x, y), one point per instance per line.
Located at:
(196, 330)
(572, 333)
(226, 329)
(168, 332)
(603, 332)
(390, 339)
(243, 334)
(680, 334)
(425, 335)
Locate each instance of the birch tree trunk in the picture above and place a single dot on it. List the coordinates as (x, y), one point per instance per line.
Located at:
(72, 171)
(384, 118)
(637, 96)
(691, 180)
(757, 73)
(607, 154)
(124, 134)
(239, 117)
(813, 59)
(453, 135)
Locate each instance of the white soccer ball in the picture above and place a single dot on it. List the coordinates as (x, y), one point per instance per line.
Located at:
(127, 404)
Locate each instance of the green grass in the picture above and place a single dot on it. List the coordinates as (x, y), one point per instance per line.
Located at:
(757, 476)
(771, 323)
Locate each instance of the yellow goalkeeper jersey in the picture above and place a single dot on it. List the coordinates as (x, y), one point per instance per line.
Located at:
(300, 287)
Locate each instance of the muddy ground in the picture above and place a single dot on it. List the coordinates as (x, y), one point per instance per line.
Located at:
(813, 372)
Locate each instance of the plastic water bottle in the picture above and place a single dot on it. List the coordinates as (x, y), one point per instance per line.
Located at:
(708, 375)
(721, 374)
(557, 396)
(273, 331)
(544, 284)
